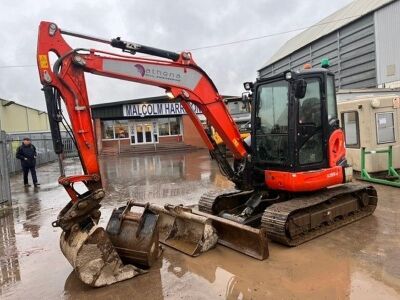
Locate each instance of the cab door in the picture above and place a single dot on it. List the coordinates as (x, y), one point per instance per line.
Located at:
(310, 142)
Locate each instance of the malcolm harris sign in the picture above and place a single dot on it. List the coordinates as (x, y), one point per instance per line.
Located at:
(156, 109)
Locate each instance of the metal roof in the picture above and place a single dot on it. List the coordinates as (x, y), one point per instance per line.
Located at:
(340, 18)
(3, 101)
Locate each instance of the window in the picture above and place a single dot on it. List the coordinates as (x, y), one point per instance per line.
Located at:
(310, 105)
(121, 129)
(273, 107)
(272, 116)
(330, 98)
(163, 126)
(108, 130)
(385, 127)
(310, 127)
(351, 129)
(169, 126)
(117, 129)
(175, 126)
(237, 107)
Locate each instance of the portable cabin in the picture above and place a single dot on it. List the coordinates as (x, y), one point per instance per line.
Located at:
(372, 123)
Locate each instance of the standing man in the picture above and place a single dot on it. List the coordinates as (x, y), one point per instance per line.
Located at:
(27, 154)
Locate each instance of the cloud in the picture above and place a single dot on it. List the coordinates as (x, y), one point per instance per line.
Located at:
(174, 25)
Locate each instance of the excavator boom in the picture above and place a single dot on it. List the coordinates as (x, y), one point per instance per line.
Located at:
(182, 79)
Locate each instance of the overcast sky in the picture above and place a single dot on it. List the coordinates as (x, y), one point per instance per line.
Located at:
(173, 25)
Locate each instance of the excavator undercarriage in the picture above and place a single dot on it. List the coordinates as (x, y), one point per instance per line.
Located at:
(293, 221)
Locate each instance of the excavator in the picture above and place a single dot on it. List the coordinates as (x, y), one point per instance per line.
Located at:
(291, 179)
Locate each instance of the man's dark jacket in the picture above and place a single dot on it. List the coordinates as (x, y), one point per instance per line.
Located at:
(29, 152)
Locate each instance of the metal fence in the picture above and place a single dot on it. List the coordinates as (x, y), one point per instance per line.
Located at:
(44, 148)
(5, 192)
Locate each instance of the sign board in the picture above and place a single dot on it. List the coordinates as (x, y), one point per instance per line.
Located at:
(156, 109)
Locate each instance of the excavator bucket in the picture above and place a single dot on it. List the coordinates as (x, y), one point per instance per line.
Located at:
(189, 231)
(182, 230)
(93, 257)
(134, 235)
(194, 232)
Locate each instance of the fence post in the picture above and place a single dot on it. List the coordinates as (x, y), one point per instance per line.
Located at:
(5, 189)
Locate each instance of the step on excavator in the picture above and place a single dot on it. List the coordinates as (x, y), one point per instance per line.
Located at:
(292, 181)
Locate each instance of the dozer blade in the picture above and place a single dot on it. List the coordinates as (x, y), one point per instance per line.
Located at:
(242, 238)
(182, 230)
(93, 257)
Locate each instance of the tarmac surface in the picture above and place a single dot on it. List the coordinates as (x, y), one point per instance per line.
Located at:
(359, 261)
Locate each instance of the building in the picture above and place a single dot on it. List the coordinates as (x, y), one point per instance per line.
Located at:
(145, 124)
(360, 40)
(371, 122)
(17, 118)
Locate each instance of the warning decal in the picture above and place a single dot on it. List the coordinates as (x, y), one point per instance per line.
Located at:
(43, 62)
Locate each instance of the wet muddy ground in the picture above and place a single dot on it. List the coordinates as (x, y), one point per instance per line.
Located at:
(359, 261)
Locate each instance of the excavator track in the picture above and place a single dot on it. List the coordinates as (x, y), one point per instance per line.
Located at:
(209, 199)
(237, 236)
(301, 219)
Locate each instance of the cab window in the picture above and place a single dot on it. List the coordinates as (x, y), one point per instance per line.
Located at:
(272, 132)
(330, 98)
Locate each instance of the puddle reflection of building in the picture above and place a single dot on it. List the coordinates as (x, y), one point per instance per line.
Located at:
(9, 264)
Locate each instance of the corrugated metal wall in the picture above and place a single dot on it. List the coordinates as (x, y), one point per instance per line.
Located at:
(387, 28)
(351, 51)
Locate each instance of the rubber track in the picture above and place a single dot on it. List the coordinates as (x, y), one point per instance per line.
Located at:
(277, 215)
(207, 200)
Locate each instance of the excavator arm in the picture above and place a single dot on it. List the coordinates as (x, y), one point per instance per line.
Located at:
(179, 76)
(64, 81)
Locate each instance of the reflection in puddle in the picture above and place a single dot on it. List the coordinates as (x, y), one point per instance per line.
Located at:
(9, 264)
(177, 178)
(31, 212)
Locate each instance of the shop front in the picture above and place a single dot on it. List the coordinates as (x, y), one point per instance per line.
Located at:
(125, 125)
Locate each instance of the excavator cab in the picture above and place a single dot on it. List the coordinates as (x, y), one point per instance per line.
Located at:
(293, 119)
(295, 180)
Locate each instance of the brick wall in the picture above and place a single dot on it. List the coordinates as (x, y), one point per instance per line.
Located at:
(190, 133)
(170, 139)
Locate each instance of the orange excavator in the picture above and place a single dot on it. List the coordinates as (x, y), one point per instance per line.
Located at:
(291, 177)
